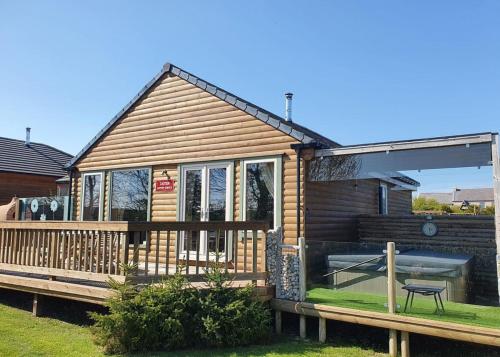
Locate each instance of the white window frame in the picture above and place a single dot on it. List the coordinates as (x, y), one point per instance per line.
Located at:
(277, 188)
(205, 167)
(384, 206)
(101, 194)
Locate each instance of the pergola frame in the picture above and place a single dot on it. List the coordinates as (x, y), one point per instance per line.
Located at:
(436, 143)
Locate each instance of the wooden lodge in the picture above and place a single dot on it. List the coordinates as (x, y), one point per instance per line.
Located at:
(183, 156)
(190, 174)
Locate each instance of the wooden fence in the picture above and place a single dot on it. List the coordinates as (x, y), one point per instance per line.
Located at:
(97, 250)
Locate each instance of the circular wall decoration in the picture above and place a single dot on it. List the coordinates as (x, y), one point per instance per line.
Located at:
(429, 229)
(53, 206)
(34, 205)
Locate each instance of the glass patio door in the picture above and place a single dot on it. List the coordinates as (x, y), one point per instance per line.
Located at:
(205, 197)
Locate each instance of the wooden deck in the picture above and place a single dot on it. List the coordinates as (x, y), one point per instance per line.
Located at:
(405, 324)
(74, 260)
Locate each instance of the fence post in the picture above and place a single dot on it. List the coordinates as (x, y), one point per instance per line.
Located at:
(302, 269)
(495, 158)
(391, 295)
(405, 344)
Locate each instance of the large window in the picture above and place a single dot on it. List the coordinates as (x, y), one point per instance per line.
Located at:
(260, 191)
(130, 195)
(91, 205)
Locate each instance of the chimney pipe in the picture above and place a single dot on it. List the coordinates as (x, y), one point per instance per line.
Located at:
(27, 141)
(288, 106)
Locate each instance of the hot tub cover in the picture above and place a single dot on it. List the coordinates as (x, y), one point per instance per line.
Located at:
(415, 262)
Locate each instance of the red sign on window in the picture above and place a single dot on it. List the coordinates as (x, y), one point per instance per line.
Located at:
(164, 185)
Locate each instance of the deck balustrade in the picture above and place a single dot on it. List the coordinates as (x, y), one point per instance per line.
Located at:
(151, 250)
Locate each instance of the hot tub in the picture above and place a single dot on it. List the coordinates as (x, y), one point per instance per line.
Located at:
(451, 271)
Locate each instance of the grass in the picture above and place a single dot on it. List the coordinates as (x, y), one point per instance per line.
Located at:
(24, 335)
(486, 316)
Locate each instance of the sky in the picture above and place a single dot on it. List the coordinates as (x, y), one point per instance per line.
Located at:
(360, 71)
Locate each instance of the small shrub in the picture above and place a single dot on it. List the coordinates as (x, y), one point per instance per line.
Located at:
(229, 316)
(156, 317)
(172, 315)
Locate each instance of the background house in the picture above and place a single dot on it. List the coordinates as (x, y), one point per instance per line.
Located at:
(481, 197)
(29, 169)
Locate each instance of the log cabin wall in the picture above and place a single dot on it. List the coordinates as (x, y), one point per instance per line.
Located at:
(25, 185)
(400, 202)
(178, 123)
(333, 207)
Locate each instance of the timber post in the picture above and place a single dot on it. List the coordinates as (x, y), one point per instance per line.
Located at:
(278, 322)
(495, 158)
(302, 326)
(322, 330)
(391, 295)
(37, 308)
(302, 282)
(405, 344)
(302, 269)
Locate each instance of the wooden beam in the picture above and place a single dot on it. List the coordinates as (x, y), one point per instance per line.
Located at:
(86, 293)
(302, 269)
(495, 157)
(303, 326)
(449, 330)
(322, 330)
(146, 279)
(405, 344)
(53, 272)
(36, 305)
(391, 295)
(135, 226)
(278, 322)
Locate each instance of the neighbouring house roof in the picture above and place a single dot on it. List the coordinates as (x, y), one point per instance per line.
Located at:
(293, 129)
(473, 194)
(441, 197)
(461, 195)
(35, 158)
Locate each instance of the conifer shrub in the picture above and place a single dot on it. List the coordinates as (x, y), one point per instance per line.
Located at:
(172, 315)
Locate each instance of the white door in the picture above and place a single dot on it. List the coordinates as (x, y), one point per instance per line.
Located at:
(205, 197)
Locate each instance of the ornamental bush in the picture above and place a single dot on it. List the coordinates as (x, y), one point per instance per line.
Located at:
(172, 315)
(229, 316)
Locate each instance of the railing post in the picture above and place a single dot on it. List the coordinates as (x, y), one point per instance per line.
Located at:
(124, 258)
(391, 295)
(254, 253)
(135, 258)
(264, 251)
(302, 269)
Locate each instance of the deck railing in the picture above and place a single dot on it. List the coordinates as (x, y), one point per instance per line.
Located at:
(97, 250)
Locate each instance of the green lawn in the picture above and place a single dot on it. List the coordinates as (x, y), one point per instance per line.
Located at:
(24, 335)
(486, 316)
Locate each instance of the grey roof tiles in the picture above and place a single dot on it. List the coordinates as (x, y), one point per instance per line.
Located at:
(38, 159)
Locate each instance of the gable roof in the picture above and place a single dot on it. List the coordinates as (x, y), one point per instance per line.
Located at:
(292, 129)
(36, 158)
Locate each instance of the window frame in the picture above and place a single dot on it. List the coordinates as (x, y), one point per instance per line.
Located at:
(278, 188)
(150, 188)
(181, 197)
(101, 195)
